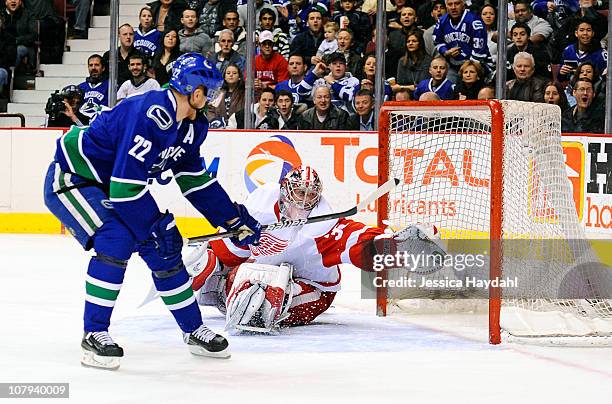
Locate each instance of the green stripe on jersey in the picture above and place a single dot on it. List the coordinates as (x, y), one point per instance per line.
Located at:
(125, 190)
(179, 297)
(77, 161)
(100, 292)
(79, 208)
(187, 182)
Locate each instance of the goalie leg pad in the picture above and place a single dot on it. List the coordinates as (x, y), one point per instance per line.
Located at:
(257, 298)
(307, 304)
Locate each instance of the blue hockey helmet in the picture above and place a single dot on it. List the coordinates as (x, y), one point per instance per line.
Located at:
(192, 70)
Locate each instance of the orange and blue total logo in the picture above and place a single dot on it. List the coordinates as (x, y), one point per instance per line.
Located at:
(269, 161)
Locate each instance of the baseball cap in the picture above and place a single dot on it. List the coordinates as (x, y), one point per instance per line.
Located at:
(335, 57)
(265, 36)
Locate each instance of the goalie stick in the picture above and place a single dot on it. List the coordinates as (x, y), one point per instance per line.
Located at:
(380, 191)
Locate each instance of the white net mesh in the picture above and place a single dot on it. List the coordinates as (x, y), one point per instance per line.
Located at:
(443, 157)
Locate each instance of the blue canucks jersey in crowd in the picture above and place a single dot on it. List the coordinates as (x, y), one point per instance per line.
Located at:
(446, 89)
(95, 96)
(469, 34)
(138, 140)
(571, 55)
(147, 43)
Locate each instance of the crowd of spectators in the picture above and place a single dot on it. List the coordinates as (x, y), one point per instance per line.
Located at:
(315, 65)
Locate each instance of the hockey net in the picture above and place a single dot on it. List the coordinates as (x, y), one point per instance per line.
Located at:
(491, 176)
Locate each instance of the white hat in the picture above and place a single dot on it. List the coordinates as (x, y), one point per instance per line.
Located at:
(265, 36)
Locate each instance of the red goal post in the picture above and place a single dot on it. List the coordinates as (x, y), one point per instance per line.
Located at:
(510, 184)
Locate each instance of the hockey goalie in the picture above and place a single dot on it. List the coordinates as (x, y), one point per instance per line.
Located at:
(293, 274)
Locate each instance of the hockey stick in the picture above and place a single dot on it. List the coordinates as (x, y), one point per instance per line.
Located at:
(382, 190)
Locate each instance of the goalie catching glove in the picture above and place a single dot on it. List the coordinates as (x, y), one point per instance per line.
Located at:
(259, 299)
(416, 239)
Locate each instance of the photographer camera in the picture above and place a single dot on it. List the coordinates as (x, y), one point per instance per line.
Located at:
(63, 106)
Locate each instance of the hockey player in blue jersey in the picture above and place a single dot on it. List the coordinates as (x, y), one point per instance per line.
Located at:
(97, 187)
(461, 35)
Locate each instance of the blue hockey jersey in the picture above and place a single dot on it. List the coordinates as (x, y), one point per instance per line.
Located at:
(136, 141)
(95, 95)
(469, 34)
(148, 42)
(571, 55)
(446, 89)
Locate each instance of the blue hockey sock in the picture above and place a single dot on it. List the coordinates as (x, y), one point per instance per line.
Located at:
(175, 290)
(102, 286)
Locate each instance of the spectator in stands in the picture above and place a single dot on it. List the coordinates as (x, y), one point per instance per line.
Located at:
(146, 38)
(345, 46)
(211, 14)
(526, 86)
(297, 17)
(167, 14)
(402, 95)
(227, 55)
(19, 23)
(229, 100)
(486, 93)
(330, 43)
(192, 38)
(324, 115)
(347, 16)
(139, 83)
(70, 115)
(585, 116)
(565, 34)
(260, 6)
(393, 17)
(471, 81)
(520, 34)
(165, 56)
(587, 70)
(260, 109)
(126, 49)
(554, 94)
(460, 35)
(297, 70)
(270, 66)
(396, 42)
(540, 28)
(367, 76)
(283, 115)
(438, 9)
(364, 107)
(7, 59)
(307, 42)
(488, 14)
(51, 28)
(342, 83)
(231, 21)
(95, 86)
(267, 21)
(429, 96)
(438, 83)
(585, 49)
(413, 67)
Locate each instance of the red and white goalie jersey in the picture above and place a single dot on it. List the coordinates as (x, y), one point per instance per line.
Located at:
(315, 250)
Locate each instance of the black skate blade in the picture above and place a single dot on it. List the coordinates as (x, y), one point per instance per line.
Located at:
(200, 351)
(91, 360)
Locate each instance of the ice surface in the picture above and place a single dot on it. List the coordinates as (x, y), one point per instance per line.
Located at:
(347, 355)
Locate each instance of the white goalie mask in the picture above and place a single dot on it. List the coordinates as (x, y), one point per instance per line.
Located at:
(300, 192)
